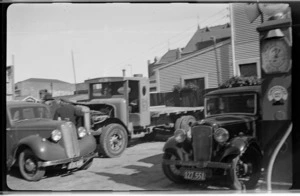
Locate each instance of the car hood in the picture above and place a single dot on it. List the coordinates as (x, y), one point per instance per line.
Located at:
(38, 124)
(228, 119)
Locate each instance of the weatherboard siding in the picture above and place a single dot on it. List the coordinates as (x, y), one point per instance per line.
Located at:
(246, 38)
(204, 63)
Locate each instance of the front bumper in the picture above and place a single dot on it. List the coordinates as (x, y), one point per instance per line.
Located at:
(198, 164)
(69, 160)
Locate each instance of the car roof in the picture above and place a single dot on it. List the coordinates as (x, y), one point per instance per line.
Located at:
(22, 103)
(236, 90)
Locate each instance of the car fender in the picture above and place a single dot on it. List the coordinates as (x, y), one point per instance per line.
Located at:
(172, 146)
(42, 148)
(239, 145)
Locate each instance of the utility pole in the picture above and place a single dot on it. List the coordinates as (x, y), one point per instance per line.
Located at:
(130, 69)
(13, 76)
(216, 56)
(73, 63)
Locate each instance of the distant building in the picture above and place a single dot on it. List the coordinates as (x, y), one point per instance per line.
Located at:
(32, 86)
(197, 63)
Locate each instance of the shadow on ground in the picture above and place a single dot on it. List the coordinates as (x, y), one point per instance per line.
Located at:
(150, 177)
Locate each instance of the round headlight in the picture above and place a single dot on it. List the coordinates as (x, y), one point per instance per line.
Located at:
(82, 132)
(221, 135)
(56, 135)
(180, 135)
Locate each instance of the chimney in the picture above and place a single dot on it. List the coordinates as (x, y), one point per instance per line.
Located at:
(124, 72)
(178, 53)
(149, 62)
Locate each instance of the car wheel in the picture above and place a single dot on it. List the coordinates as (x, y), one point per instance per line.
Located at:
(184, 122)
(172, 172)
(28, 166)
(246, 170)
(113, 140)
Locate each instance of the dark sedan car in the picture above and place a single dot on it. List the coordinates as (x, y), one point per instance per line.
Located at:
(35, 142)
(221, 149)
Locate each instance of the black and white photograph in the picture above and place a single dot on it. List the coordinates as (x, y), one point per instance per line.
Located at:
(151, 97)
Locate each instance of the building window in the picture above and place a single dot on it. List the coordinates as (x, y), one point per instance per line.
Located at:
(199, 82)
(248, 69)
(152, 89)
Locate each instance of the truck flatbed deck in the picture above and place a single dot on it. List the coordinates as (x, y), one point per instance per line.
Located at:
(156, 111)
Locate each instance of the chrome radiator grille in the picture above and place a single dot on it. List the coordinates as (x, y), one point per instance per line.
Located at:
(202, 142)
(69, 137)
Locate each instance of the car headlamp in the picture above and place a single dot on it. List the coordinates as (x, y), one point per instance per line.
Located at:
(82, 132)
(56, 135)
(180, 135)
(221, 135)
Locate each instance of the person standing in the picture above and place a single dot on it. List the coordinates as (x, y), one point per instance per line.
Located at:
(67, 112)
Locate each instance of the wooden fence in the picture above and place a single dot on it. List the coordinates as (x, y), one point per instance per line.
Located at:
(179, 99)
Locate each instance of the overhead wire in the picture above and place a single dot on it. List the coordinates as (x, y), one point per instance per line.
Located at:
(161, 45)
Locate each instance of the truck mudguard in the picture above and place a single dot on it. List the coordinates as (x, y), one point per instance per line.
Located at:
(42, 148)
(239, 145)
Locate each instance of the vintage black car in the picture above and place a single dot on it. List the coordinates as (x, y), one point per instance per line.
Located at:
(35, 142)
(221, 149)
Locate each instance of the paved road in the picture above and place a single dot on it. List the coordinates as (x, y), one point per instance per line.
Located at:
(139, 168)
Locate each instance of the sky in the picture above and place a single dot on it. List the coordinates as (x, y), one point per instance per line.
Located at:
(104, 38)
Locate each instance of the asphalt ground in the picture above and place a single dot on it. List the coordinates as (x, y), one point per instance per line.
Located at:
(137, 169)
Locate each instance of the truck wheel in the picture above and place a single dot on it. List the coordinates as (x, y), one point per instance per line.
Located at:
(246, 170)
(184, 122)
(113, 140)
(28, 166)
(172, 172)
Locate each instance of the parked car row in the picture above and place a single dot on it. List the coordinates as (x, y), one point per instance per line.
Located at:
(221, 149)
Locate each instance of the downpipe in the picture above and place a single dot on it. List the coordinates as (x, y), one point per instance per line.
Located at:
(274, 155)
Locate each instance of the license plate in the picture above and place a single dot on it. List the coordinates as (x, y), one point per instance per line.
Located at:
(194, 175)
(75, 164)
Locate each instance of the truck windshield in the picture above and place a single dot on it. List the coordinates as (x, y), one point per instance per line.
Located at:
(25, 113)
(107, 89)
(242, 103)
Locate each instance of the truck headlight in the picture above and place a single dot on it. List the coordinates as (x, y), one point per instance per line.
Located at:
(82, 132)
(221, 135)
(180, 135)
(56, 135)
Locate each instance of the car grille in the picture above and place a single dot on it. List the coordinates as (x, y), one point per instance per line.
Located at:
(70, 139)
(202, 142)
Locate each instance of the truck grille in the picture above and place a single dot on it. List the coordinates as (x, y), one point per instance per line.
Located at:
(202, 142)
(70, 139)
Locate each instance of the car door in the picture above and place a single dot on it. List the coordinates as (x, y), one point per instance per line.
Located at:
(10, 140)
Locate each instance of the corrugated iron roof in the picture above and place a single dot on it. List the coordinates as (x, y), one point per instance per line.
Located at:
(44, 80)
(204, 35)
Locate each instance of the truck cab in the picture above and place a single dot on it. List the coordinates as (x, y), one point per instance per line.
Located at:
(128, 97)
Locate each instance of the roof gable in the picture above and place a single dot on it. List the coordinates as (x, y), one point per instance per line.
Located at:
(202, 37)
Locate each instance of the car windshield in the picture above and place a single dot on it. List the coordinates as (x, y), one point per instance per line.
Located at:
(25, 113)
(107, 89)
(238, 103)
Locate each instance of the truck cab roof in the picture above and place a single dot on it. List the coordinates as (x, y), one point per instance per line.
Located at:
(111, 79)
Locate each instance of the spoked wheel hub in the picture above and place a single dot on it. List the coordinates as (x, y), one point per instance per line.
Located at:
(116, 141)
